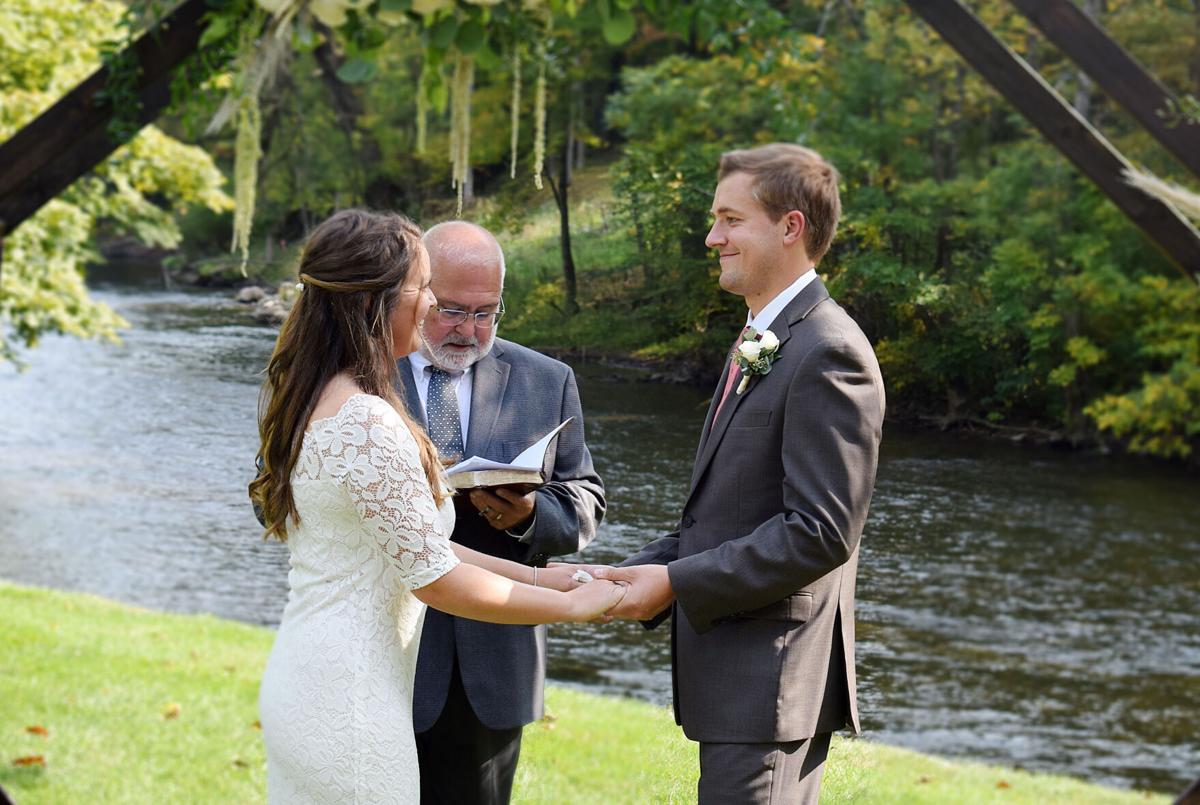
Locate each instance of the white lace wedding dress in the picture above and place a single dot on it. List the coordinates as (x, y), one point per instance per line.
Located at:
(336, 697)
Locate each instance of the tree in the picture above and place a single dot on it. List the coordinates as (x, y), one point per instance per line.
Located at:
(45, 49)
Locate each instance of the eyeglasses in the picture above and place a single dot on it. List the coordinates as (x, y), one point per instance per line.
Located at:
(484, 320)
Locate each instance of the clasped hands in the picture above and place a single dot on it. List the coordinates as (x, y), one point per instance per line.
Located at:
(647, 587)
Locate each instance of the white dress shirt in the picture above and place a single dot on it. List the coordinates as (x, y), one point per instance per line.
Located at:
(463, 384)
(773, 308)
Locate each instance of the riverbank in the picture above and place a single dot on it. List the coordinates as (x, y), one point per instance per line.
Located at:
(110, 703)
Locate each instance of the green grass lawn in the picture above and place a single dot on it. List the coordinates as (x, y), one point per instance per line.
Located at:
(102, 702)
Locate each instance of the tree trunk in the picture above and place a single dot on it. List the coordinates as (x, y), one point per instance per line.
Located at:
(561, 191)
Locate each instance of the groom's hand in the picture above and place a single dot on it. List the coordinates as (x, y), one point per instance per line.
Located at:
(649, 590)
(503, 509)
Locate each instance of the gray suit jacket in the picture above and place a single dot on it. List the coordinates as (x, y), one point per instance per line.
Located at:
(518, 395)
(763, 564)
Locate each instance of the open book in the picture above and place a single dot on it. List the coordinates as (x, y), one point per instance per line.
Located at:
(523, 474)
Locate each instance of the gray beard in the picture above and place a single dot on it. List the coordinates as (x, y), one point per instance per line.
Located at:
(439, 356)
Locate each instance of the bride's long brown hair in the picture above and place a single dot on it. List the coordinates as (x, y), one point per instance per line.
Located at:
(352, 268)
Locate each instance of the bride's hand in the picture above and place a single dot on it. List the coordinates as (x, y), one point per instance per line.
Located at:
(561, 576)
(590, 601)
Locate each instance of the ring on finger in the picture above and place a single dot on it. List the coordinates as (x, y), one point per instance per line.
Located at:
(485, 511)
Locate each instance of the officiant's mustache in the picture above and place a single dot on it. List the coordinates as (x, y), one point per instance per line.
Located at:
(436, 349)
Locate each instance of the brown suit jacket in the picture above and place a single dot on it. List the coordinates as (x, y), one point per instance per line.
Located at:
(763, 564)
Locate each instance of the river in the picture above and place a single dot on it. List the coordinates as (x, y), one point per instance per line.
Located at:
(1015, 604)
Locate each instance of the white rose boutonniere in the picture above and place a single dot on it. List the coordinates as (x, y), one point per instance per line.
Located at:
(755, 354)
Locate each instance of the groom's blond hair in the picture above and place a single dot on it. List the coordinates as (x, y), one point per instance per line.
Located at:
(791, 177)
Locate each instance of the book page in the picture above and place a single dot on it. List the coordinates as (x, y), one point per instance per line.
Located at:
(534, 455)
(530, 459)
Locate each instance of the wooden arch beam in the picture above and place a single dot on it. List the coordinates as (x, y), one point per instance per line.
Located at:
(71, 137)
(1117, 73)
(1058, 121)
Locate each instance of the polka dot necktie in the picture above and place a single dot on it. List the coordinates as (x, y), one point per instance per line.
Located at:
(441, 411)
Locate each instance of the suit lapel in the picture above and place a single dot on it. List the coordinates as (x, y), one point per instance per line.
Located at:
(712, 408)
(714, 431)
(487, 392)
(407, 388)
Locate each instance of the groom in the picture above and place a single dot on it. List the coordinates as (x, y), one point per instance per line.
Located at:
(760, 574)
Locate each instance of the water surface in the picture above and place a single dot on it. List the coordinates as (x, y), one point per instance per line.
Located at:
(1015, 604)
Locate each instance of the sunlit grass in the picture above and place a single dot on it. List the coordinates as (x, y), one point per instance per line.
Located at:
(131, 706)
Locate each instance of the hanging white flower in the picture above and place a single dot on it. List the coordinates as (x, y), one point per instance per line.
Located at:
(273, 6)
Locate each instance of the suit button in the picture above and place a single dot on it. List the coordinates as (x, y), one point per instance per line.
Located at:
(688, 521)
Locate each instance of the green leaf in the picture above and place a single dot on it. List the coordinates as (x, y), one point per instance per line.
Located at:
(395, 6)
(488, 59)
(619, 28)
(441, 35)
(357, 71)
(470, 36)
(216, 30)
(439, 96)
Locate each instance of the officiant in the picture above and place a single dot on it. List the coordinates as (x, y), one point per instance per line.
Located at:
(478, 684)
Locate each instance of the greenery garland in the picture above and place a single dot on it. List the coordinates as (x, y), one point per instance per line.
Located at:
(453, 34)
(539, 118)
(460, 125)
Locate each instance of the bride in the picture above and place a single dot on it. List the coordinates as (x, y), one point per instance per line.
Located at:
(355, 487)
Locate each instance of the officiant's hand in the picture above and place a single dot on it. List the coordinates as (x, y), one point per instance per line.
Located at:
(649, 590)
(503, 508)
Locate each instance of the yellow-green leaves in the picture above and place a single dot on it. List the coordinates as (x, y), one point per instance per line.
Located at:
(45, 50)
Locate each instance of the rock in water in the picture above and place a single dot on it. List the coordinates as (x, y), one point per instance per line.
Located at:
(270, 311)
(250, 294)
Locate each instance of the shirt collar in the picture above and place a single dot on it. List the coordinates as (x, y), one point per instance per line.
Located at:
(420, 363)
(773, 308)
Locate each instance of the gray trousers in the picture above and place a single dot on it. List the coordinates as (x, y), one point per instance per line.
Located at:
(763, 774)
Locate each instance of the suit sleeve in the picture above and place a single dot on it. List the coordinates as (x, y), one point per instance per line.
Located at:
(571, 504)
(833, 417)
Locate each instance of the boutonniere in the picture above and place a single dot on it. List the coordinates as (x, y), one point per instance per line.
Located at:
(755, 354)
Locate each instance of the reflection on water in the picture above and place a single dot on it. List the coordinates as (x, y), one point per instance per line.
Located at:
(1016, 605)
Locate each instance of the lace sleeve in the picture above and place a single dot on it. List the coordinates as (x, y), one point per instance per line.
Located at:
(371, 450)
